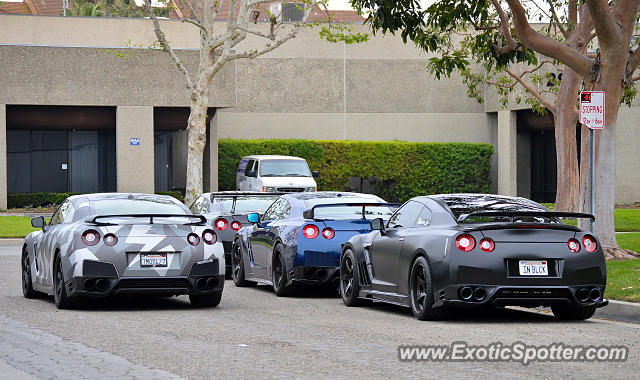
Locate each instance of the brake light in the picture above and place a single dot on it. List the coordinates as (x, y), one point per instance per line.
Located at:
(221, 224)
(236, 226)
(110, 240)
(328, 233)
(487, 245)
(90, 237)
(574, 245)
(209, 237)
(310, 231)
(465, 242)
(589, 243)
(193, 239)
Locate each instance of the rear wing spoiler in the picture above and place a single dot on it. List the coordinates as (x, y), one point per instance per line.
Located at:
(201, 219)
(515, 214)
(244, 194)
(310, 213)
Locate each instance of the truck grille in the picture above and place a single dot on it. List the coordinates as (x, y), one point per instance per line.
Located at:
(290, 189)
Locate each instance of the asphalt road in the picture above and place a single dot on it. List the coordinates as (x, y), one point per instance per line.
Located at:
(254, 334)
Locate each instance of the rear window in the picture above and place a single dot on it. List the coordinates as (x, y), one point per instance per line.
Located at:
(137, 206)
(349, 212)
(246, 205)
(461, 205)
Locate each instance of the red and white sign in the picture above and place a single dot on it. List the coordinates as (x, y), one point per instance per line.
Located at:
(592, 109)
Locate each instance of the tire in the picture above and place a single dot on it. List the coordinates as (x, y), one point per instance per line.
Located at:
(27, 283)
(207, 300)
(237, 267)
(349, 279)
(573, 313)
(421, 292)
(60, 297)
(279, 273)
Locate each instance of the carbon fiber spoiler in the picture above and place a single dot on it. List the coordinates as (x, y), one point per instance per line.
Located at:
(310, 213)
(514, 214)
(201, 219)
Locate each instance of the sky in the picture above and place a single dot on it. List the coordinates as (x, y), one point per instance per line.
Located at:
(339, 4)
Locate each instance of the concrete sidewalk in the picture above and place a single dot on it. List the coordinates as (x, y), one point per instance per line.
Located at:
(620, 311)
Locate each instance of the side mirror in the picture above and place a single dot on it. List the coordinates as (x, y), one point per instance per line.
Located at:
(38, 222)
(251, 173)
(377, 225)
(254, 218)
(315, 174)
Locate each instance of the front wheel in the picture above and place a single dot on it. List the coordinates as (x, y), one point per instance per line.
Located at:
(421, 292)
(237, 267)
(207, 300)
(27, 283)
(60, 297)
(573, 313)
(349, 279)
(279, 273)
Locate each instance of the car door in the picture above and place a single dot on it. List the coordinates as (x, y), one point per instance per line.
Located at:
(250, 175)
(48, 242)
(261, 238)
(386, 247)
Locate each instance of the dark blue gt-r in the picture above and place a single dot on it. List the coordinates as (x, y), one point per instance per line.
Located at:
(299, 238)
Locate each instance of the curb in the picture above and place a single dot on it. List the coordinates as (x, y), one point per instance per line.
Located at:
(620, 311)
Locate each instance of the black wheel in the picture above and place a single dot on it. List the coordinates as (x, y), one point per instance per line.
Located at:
(27, 284)
(349, 279)
(237, 267)
(573, 313)
(207, 300)
(60, 297)
(421, 292)
(279, 273)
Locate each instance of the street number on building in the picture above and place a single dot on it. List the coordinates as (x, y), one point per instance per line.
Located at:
(134, 141)
(592, 109)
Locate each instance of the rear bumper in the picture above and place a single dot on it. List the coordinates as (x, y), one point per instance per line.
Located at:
(529, 296)
(315, 274)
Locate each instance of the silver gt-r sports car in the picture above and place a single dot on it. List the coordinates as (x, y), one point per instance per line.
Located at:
(97, 245)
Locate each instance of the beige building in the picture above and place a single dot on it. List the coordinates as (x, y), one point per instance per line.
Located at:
(82, 108)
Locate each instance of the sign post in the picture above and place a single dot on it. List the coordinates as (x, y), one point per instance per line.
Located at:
(592, 106)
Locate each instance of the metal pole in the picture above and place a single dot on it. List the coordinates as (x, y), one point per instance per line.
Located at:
(592, 154)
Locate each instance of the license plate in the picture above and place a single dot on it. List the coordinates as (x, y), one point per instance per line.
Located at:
(533, 268)
(156, 260)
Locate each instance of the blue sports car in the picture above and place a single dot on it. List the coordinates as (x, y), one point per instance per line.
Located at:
(299, 238)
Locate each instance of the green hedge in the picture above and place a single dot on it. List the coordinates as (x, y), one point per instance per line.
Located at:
(401, 169)
(26, 200)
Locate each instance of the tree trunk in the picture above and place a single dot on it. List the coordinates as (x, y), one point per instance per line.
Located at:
(196, 141)
(565, 120)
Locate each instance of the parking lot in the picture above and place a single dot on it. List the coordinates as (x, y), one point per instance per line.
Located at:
(253, 333)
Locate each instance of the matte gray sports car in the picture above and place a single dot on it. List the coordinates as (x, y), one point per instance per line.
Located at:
(101, 244)
(472, 250)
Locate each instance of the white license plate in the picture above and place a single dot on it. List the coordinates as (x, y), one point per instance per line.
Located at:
(153, 260)
(533, 268)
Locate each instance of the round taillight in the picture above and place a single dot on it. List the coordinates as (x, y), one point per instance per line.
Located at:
(328, 233)
(221, 224)
(574, 245)
(110, 240)
(193, 239)
(90, 237)
(487, 245)
(589, 243)
(310, 231)
(236, 226)
(209, 237)
(465, 242)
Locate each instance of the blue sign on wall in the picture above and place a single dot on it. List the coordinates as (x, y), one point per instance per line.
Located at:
(134, 141)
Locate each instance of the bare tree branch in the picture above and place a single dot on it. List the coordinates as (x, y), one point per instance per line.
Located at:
(504, 28)
(604, 22)
(164, 44)
(194, 22)
(532, 91)
(257, 33)
(564, 32)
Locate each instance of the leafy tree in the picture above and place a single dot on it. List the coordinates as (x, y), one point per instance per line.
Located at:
(485, 41)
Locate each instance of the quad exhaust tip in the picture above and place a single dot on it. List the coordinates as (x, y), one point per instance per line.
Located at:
(89, 284)
(594, 294)
(102, 284)
(204, 283)
(201, 283)
(466, 293)
(583, 294)
(479, 294)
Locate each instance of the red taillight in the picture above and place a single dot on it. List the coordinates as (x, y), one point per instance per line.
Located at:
(90, 237)
(574, 245)
(208, 236)
(465, 242)
(193, 239)
(221, 224)
(328, 233)
(110, 240)
(236, 226)
(310, 231)
(487, 245)
(589, 243)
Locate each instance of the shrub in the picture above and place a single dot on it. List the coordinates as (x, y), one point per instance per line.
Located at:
(400, 170)
(26, 200)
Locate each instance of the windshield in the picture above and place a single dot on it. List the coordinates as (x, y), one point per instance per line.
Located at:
(284, 168)
(467, 204)
(246, 205)
(137, 206)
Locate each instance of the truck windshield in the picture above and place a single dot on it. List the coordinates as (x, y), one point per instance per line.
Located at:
(284, 168)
